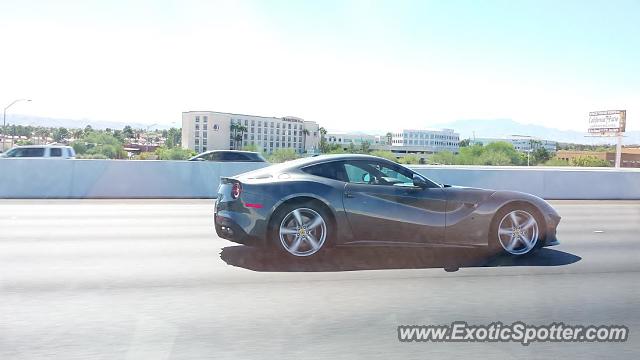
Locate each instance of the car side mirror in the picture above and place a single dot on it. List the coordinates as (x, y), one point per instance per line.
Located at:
(419, 181)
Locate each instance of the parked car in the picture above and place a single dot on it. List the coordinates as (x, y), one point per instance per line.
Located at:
(229, 155)
(306, 205)
(41, 151)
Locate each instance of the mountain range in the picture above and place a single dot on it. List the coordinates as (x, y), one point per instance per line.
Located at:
(500, 128)
(76, 123)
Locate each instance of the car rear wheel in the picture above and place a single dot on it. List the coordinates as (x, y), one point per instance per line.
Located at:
(516, 231)
(302, 229)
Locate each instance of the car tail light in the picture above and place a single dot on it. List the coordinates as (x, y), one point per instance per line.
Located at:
(236, 190)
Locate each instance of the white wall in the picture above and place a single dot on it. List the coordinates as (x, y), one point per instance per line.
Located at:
(548, 183)
(44, 178)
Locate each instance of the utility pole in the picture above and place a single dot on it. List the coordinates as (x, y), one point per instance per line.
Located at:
(4, 121)
(618, 149)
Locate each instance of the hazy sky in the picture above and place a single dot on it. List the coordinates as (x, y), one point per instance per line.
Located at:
(348, 65)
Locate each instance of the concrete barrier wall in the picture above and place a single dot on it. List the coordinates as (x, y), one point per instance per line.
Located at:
(548, 183)
(44, 178)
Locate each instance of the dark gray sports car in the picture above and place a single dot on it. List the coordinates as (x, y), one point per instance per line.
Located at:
(306, 205)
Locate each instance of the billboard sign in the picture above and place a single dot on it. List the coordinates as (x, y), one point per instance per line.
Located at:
(609, 121)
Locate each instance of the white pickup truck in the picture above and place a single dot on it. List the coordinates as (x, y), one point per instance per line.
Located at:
(41, 151)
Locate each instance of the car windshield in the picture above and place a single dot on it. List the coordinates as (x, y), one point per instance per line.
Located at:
(309, 179)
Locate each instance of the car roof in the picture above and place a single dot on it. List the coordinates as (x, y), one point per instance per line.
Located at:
(331, 157)
(41, 146)
(299, 163)
(296, 164)
(233, 151)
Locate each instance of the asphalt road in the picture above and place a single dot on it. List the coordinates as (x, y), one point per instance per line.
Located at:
(114, 279)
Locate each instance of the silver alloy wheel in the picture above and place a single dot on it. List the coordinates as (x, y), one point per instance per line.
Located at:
(518, 232)
(303, 232)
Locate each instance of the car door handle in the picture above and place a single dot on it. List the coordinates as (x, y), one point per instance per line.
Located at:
(348, 195)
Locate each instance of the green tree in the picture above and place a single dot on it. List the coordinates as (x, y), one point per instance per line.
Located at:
(389, 138)
(282, 155)
(442, 158)
(540, 155)
(60, 134)
(365, 147)
(251, 147)
(556, 162)
(325, 147)
(410, 159)
(175, 153)
(127, 132)
(99, 143)
(505, 149)
(385, 154)
(590, 161)
(77, 134)
(174, 138)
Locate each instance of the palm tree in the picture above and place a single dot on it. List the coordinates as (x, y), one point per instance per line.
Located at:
(77, 134)
(234, 132)
(305, 133)
(323, 141)
(241, 129)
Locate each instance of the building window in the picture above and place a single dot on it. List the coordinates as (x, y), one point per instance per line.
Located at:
(204, 148)
(197, 118)
(246, 123)
(197, 134)
(204, 127)
(205, 118)
(215, 127)
(197, 142)
(197, 127)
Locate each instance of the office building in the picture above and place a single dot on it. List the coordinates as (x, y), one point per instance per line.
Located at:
(212, 130)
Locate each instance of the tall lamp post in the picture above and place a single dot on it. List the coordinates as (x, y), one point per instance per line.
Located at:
(4, 120)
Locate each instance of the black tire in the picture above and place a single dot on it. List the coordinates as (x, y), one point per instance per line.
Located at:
(494, 243)
(309, 210)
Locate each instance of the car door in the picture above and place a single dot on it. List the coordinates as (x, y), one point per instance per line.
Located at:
(382, 204)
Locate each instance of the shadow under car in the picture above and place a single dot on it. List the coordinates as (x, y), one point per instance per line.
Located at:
(379, 258)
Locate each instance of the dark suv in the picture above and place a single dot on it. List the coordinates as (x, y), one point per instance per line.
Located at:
(229, 155)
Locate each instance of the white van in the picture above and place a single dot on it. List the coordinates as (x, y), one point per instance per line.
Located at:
(41, 151)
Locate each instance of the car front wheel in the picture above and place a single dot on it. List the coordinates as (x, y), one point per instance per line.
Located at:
(517, 231)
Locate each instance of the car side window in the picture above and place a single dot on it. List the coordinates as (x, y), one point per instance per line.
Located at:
(55, 152)
(230, 156)
(377, 173)
(331, 170)
(29, 152)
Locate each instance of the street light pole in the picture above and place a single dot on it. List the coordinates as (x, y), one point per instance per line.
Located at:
(4, 120)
